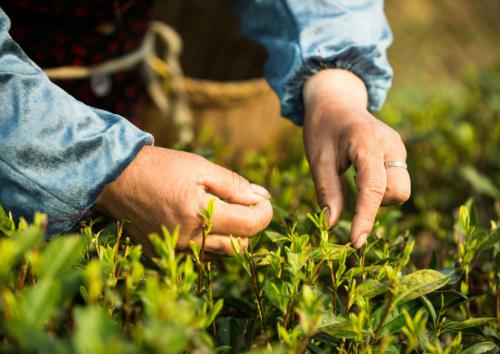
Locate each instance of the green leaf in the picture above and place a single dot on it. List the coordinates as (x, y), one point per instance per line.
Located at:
(397, 322)
(419, 283)
(370, 288)
(481, 183)
(33, 340)
(394, 325)
(482, 348)
(214, 311)
(95, 332)
(339, 327)
(28, 238)
(7, 225)
(41, 301)
(276, 237)
(355, 271)
(296, 261)
(60, 255)
(15, 249)
(454, 326)
(391, 349)
(429, 307)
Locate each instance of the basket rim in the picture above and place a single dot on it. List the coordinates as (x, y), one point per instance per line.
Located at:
(220, 93)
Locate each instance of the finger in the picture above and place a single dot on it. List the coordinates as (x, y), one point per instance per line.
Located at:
(232, 187)
(398, 188)
(328, 185)
(241, 220)
(371, 185)
(220, 244)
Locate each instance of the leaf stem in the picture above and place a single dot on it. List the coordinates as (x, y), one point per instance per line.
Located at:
(202, 256)
(256, 287)
(387, 310)
(334, 288)
(498, 302)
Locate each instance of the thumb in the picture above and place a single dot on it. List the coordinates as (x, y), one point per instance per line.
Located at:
(233, 188)
(328, 187)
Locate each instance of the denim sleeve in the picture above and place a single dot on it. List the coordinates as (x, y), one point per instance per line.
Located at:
(303, 37)
(56, 153)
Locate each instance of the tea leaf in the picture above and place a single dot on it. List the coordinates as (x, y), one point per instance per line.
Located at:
(340, 327)
(59, 255)
(40, 302)
(419, 283)
(370, 288)
(95, 332)
(482, 348)
(429, 307)
(7, 225)
(453, 326)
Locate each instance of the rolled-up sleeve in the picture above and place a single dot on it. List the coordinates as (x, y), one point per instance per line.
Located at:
(304, 37)
(56, 153)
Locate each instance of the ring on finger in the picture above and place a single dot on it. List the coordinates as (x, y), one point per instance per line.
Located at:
(389, 164)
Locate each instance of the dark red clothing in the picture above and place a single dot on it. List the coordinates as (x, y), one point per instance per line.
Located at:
(84, 33)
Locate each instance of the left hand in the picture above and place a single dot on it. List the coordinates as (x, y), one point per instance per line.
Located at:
(338, 131)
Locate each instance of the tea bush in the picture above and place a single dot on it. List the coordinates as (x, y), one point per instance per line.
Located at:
(427, 280)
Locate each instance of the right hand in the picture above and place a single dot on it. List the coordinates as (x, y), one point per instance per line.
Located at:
(171, 188)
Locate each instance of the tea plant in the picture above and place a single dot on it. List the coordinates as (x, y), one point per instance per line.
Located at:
(298, 287)
(427, 281)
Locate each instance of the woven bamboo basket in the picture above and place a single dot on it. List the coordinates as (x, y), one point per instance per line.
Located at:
(229, 98)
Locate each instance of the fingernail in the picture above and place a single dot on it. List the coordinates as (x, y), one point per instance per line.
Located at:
(261, 191)
(328, 215)
(360, 240)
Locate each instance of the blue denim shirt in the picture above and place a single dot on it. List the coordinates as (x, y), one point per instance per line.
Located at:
(56, 153)
(305, 36)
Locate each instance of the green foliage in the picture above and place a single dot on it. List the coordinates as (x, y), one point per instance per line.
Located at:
(295, 289)
(427, 280)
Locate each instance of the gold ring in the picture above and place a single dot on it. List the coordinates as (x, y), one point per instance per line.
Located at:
(390, 164)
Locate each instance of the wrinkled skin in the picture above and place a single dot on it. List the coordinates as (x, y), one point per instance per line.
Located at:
(168, 187)
(339, 131)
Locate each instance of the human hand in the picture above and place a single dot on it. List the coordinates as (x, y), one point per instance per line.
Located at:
(171, 188)
(338, 131)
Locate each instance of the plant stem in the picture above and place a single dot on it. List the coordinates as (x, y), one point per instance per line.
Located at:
(21, 277)
(211, 294)
(362, 261)
(467, 304)
(119, 231)
(334, 288)
(202, 256)
(498, 303)
(289, 312)
(305, 341)
(387, 310)
(316, 271)
(256, 287)
(341, 348)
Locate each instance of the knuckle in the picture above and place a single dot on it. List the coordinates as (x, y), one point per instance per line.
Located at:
(324, 193)
(238, 182)
(361, 153)
(395, 136)
(374, 189)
